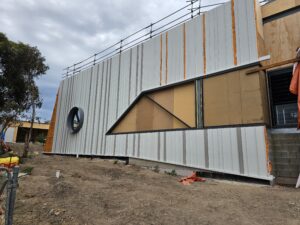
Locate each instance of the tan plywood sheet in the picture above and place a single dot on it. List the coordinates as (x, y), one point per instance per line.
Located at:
(147, 115)
(278, 6)
(282, 37)
(185, 103)
(259, 29)
(164, 98)
(128, 123)
(234, 98)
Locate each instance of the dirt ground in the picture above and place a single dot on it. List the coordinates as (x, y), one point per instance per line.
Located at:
(102, 192)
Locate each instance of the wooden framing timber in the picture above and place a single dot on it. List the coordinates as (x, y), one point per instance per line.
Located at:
(282, 63)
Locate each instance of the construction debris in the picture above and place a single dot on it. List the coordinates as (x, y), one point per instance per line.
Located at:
(191, 179)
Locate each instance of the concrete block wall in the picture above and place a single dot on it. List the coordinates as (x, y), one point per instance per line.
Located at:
(286, 157)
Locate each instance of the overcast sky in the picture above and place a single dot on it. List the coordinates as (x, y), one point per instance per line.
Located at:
(66, 31)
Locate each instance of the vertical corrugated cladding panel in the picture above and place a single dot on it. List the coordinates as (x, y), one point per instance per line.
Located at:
(69, 137)
(99, 83)
(124, 94)
(132, 93)
(85, 107)
(195, 148)
(112, 104)
(91, 111)
(245, 31)
(174, 147)
(254, 151)
(81, 88)
(148, 146)
(103, 98)
(219, 50)
(175, 55)
(76, 102)
(55, 146)
(223, 150)
(66, 104)
(194, 47)
(62, 116)
(151, 64)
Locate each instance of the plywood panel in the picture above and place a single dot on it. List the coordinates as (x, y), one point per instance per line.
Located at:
(261, 49)
(234, 98)
(164, 98)
(282, 37)
(278, 6)
(127, 124)
(185, 103)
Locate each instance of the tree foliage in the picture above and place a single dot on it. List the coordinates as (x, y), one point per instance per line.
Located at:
(20, 66)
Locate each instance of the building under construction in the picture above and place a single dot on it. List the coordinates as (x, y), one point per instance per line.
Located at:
(207, 90)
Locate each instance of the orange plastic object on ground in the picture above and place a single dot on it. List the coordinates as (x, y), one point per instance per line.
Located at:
(190, 179)
(295, 88)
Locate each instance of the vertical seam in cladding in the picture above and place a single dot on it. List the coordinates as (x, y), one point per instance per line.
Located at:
(248, 41)
(66, 110)
(158, 147)
(104, 108)
(118, 97)
(204, 43)
(142, 65)
(88, 108)
(136, 87)
(234, 45)
(130, 71)
(139, 146)
(166, 78)
(256, 152)
(107, 109)
(184, 148)
(165, 146)
(160, 68)
(126, 146)
(240, 150)
(206, 152)
(269, 166)
(100, 107)
(184, 52)
(141, 88)
(95, 103)
(256, 25)
(133, 152)
(71, 101)
(137, 70)
(129, 91)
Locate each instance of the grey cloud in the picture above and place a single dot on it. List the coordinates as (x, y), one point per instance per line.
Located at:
(68, 31)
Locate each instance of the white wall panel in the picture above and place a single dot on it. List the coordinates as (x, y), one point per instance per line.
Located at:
(195, 148)
(219, 48)
(194, 47)
(174, 147)
(175, 55)
(245, 31)
(151, 65)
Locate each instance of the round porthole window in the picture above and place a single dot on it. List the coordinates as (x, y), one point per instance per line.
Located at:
(75, 119)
